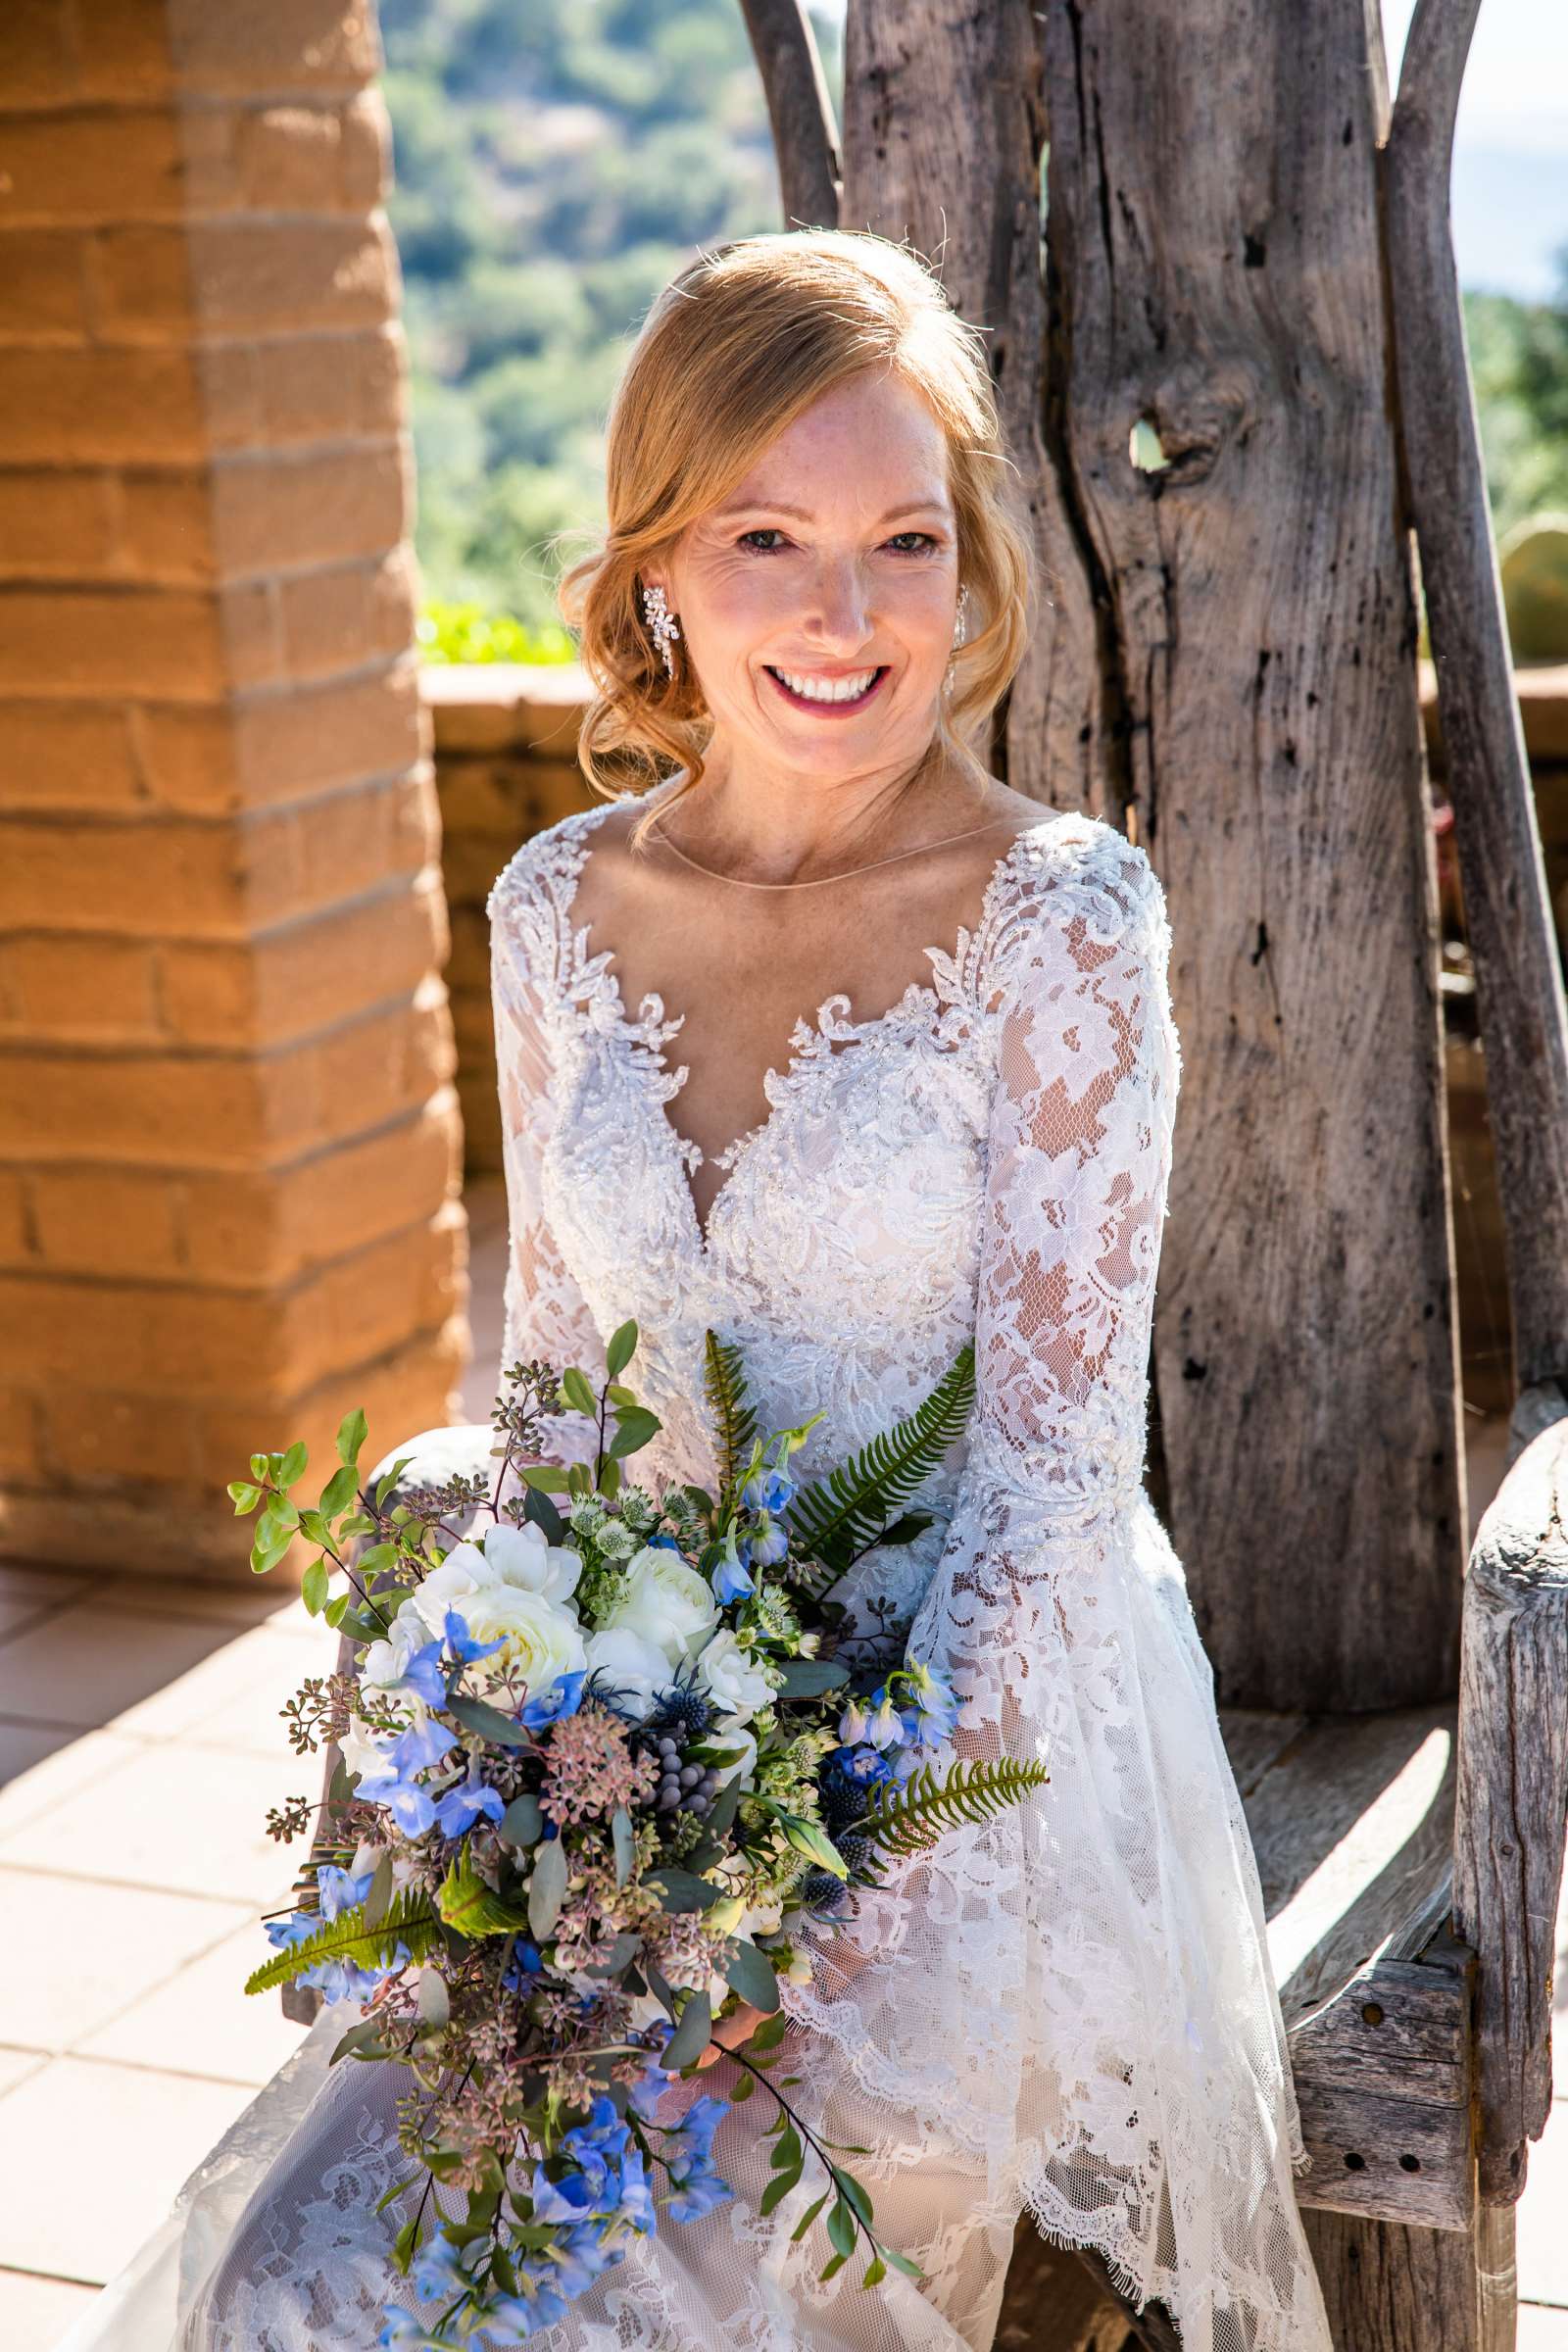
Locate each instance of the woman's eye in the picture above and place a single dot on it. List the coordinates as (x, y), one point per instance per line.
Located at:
(768, 531)
(924, 538)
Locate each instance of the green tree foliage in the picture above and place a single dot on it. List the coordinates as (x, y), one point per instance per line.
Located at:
(556, 161)
(1519, 364)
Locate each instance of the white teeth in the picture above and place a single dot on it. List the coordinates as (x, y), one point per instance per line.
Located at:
(828, 690)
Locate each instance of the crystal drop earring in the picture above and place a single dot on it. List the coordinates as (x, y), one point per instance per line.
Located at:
(661, 622)
(960, 636)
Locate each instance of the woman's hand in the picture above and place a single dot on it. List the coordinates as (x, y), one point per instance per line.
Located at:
(729, 2033)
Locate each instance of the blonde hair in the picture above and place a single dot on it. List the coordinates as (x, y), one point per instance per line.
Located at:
(737, 346)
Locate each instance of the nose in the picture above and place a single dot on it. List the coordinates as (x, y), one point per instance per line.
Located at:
(839, 612)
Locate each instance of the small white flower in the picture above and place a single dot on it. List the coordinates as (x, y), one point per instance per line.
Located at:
(663, 1600)
(737, 1684)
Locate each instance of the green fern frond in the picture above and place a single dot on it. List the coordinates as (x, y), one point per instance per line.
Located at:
(842, 1513)
(410, 1920)
(907, 1819)
(734, 1420)
(474, 1909)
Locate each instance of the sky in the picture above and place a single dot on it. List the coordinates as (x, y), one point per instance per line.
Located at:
(1509, 197)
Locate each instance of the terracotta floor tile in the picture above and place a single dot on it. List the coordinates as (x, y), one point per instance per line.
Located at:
(75, 1953)
(21, 1609)
(144, 2132)
(47, 1582)
(256, 1602)
(62, 1762)
(1542, 2244)
(86, 1663)
(34, 2312)
(187, 1820)
(234, 1697)
(203, 2021)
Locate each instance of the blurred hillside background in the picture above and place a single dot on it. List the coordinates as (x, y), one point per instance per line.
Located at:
(555, 166)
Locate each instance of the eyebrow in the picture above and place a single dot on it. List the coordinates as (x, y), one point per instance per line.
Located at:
(779, 506)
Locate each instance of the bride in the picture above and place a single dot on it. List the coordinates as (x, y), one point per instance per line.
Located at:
(828, 1041)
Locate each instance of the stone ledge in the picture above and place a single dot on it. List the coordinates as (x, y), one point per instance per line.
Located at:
(490, 706)
(1543, 693)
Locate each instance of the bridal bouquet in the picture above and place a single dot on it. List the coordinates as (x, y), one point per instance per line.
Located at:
(602, 1767)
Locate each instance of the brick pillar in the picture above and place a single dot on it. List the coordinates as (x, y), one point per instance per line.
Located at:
(229, 1142)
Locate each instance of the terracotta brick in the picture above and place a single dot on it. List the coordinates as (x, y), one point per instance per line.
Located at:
(292, 157)
(118, 640)
(125, 49)
(252, 635)
(280, 1224)
(307, 976)
(214, 881)
(54, 525)
(112, 1221)
(471, 862)
(100, 407)
(44, 274)
(143, 284)
(92, 1436)
(71, 989)
(365, 151)
(85, 166)
(177, 1340)
(121, 1526)
(467, 965)
(287, 512)
(276, 748)
(198, 1112)
(65, 755)
(21, 1447)
(496, 707)
(17, 1236)
(305, 45)
(336, 619)
(164, 526)
(481, 796)
(37, 65)
(331, 387)
(258, 276)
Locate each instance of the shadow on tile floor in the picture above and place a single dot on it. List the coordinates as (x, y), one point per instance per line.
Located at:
(140, 1747)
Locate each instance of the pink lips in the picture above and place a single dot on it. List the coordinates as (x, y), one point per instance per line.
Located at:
(801, 702)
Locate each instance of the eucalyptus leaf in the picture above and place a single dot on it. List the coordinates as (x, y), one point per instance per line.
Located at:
(381, 1894)
(541, 1512)
(750, 1973)
(489, 1723)
(523, 1822)
(435, 2003)
(620, 1955)
(544, 1477)
(623, 1839)
(547, 1889)
(690, 2037)
(808, 1678)
(358, 2037)
(682, 1890)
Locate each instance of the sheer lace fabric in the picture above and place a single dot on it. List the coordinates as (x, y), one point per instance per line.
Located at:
(1070, 2011)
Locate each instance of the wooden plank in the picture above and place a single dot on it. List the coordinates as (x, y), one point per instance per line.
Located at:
(1255, 1738)
(1390, 2290)
(1399, 2030)
(1513, 1795)
(1214, 268)
(1393, 2159)
(1508, 919)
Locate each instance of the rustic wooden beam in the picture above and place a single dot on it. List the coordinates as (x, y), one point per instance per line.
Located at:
(944, 132)
(806, 143)
(1513, 1795)
(1519, 987)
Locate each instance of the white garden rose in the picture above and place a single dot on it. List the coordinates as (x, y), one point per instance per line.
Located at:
(540, 1639)
(633, 1672)
(514, 1559)
(730, 1732)
(736, 1683)
(386, 1662)
(664, 1600)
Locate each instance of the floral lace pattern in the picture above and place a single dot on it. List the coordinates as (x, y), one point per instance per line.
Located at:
(1069, 2011)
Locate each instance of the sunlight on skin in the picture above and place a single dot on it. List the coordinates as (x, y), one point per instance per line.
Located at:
(847, 583)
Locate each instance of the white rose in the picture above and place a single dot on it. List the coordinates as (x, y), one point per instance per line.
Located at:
(736, 1684)
(730, 1732)
(388, 1661)
(540, 1639)
(663, 1600)
(633, 1671)
(514, 1559)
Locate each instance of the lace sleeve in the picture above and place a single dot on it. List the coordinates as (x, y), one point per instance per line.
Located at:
(546, 1314)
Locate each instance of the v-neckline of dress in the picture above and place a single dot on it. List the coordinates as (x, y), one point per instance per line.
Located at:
(594, 976)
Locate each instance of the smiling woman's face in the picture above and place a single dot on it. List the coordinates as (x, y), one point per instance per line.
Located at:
(832, 570)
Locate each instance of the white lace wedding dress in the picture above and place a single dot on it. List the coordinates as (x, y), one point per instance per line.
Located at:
(1070, 2011)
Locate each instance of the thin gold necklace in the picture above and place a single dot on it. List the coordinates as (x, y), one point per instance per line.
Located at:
(820, 881)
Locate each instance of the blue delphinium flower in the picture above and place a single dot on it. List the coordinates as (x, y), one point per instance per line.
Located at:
(395, 1785)
(562, 1699)
(462, 1644)
(400, 2331)
(525, 1963)
(769, 1544)
(438, 2273)
(931, 1712)
(423, 1676)
(468, 1802)
(769, 1491)
(663, 1541)
(730, 1579)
